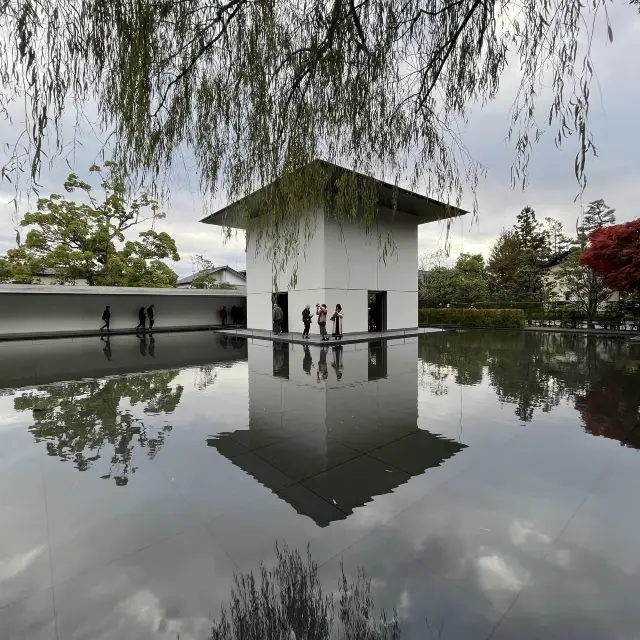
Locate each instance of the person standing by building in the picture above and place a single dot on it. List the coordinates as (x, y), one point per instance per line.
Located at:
(151, 316)
(321, 312)
(306, 320)
(277, 317)
(142, 317)
(223, 315)
(336, 318)
(106, 318)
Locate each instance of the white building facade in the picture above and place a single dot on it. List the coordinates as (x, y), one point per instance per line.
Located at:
(344, 263)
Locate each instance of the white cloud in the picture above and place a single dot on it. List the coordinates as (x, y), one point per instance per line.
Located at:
(14, 565)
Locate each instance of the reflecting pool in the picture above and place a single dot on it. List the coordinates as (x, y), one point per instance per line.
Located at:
(486, 481)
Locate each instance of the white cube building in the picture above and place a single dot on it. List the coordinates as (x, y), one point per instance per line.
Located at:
(342, 263)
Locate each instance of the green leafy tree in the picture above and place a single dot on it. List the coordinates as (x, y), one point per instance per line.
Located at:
(86, 241)
(6, 272)
(257, 88)
(86, 424)
(470, 278)
(465, 282)
(585, 288)
(557, 240)
(203, 277)
(534, 249)
(597, 215)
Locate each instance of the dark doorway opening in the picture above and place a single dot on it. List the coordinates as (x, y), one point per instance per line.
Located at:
(377, 360)
(377, 311)
(281, 360)
(282, 300)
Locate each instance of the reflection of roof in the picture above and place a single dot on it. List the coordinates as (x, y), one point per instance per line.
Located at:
(389, 195)
(357, 480)
(191, 278)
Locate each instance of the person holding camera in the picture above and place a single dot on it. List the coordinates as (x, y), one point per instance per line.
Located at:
(321, 312)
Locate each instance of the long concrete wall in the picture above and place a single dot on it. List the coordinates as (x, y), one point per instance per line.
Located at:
(41, 310)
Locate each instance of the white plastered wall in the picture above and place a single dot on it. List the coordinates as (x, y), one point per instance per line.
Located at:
(355, 265)
(341, 264)
(310, 277)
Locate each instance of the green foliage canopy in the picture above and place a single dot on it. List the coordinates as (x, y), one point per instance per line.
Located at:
(86, 241)
(257, 89)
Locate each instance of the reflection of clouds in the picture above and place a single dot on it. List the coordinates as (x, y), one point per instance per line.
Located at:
(145, 608)
(523, 531)
(497, 572)
(14, 565)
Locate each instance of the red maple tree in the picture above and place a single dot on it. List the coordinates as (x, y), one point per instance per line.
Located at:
(614, 253)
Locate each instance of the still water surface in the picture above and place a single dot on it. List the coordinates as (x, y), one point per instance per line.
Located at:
(486, 481)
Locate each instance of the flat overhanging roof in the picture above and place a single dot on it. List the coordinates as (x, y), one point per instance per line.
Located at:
(423, 208)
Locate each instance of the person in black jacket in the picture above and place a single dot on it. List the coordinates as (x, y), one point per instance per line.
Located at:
(150, 315)
(142, 317)
(106, 317)
(306, 319)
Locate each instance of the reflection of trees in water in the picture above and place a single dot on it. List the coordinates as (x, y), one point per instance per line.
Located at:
(611, 406)
(288, 601)
(83, 421)
(538, 371)
(206, 375)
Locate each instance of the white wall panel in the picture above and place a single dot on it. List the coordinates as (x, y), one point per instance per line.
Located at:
(33, 311)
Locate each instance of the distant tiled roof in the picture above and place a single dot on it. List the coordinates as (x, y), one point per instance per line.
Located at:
(191, 278)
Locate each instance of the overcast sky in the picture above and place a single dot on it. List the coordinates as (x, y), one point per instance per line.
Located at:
(613, 176)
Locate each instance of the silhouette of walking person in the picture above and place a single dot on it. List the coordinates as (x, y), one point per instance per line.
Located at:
(142, 317)
(143, 344)
(151, 316)
(106, 318)
(107, 347)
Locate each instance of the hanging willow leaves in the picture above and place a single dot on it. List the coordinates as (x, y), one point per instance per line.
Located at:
(255, 89)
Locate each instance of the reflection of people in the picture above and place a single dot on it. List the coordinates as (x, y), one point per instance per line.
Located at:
(337, 365)
(323, 372)
(307, 361)
(152, 346)
(143, 344)
(107, 347)
(306, 320)
(278, 316)
(142, 317)
(106, 317)
(278, 357)
(321, 312)
(336, 318)
(150, 315)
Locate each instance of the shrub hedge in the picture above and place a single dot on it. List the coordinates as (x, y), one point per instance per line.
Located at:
(505, 318)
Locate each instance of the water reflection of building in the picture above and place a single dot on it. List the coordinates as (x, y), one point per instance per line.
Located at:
(341, 420)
